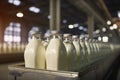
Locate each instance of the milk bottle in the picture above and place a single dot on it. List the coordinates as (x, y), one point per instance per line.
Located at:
(88, 49)
(71, 53)
(78, 51)
(56, 55)
(84, 51)
(34, 54)
(97, 49)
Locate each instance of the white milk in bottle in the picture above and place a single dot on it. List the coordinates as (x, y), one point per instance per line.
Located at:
(34, 54)
(71, 53)
(78, 50)
(84, 51)
(56, 56)
(88, 49)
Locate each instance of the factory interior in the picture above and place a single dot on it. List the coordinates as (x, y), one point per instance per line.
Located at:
(60, 40)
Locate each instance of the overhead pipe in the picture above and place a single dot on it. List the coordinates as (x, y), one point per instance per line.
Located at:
(104, 7)
(85, 7)
(55, 15)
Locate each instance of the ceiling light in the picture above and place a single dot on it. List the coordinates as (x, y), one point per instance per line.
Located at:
(49, 17)
(70, 26)
(104, 29)
(76, 25)
(118, 14)
(111, 28)
(80, 28)
(34, 9)
(64, 21)
(85, 29)
(105, 39)
(19, 14)
(99, 38)
(10, 1)
(115, 26)
(97, 31)
(109, 22)
(17, 2)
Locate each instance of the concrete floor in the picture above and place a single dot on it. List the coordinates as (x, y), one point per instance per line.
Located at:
(4, 72)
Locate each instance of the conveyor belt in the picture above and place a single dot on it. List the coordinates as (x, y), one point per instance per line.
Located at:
(97, 71)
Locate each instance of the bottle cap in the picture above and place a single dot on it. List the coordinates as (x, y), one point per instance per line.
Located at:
(47, 35)
(36, 35)
(53, 32)
(67, 35)
(32, 32)
(75, 36)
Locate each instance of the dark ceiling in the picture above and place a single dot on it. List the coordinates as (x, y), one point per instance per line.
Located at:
(113, 6)
(68, 12)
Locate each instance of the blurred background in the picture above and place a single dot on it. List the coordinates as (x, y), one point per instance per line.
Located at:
(18, 18)
(98, 19)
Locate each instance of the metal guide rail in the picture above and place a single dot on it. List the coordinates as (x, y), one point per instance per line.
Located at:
(21, 73)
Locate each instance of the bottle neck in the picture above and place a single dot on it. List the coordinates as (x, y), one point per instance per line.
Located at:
(66, 39)
(54, 36)
(35, 37)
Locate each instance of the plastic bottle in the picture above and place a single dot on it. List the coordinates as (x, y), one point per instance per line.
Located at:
(71, 53)
(56, 55)
(14, 48)
(78, 51)
(97, 49)
(34, 54)
(84, 51)
(88, 50)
